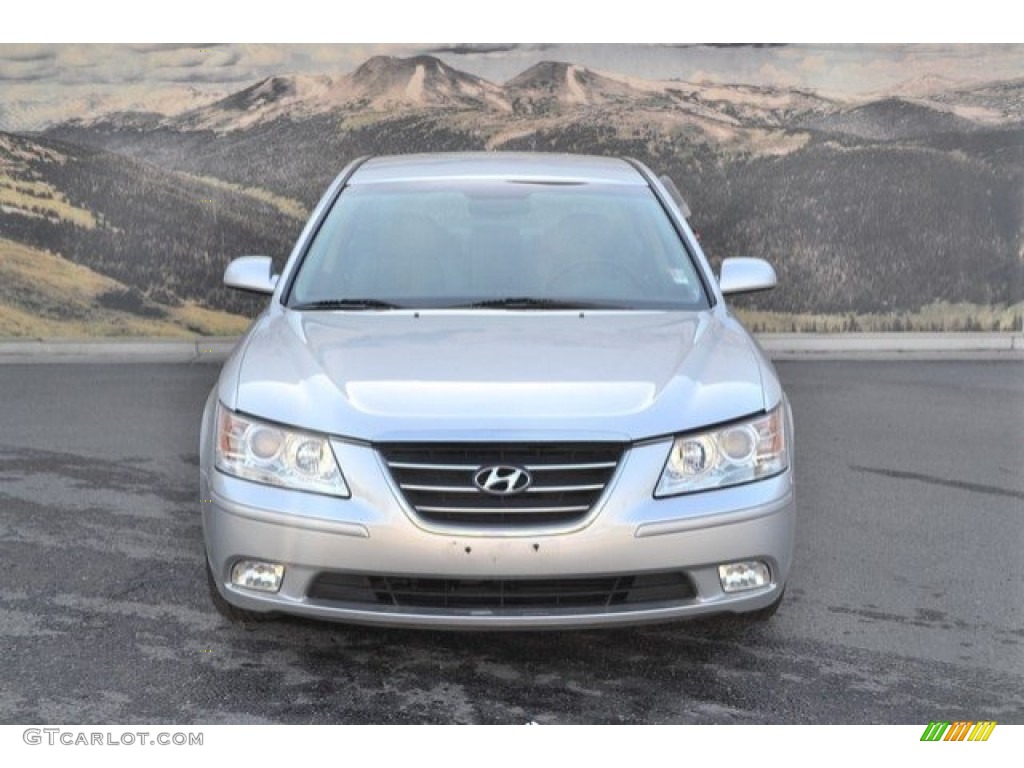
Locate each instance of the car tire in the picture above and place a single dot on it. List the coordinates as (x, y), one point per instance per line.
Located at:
(763, 614)
(231, 612)
(732, 624)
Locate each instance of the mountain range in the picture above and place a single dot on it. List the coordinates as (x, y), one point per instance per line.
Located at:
(884, 204)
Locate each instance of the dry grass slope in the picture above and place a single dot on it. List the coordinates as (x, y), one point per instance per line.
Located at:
(44, 296)
(37, 198)
(937, 317)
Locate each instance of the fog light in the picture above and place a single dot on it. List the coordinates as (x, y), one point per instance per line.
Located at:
(253, 574)
(736, 577)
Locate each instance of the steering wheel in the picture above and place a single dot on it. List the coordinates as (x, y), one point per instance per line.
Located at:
(601, 271)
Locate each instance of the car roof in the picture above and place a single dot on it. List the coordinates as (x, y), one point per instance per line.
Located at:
(521, 166)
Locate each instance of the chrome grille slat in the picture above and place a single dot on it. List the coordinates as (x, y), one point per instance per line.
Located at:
(440, 467)
(472, 489)
(437, 481)
(505, 510)
(571, 467)
(565, 488)
(438, 488)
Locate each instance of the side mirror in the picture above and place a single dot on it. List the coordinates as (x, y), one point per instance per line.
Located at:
(252, 274)
(746, 275)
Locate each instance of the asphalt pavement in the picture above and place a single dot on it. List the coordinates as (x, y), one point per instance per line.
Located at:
(905, 604)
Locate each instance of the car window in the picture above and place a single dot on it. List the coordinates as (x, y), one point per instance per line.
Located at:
(432, 244)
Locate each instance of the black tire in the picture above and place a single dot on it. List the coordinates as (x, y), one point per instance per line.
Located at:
(730, 624)
(762, 615)
(231, 612)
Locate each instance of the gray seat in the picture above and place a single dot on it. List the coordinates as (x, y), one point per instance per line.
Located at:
(403, 260)
(585, 254)
(498, 263)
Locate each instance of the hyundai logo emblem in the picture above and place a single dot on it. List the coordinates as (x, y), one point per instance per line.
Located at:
(502, 480)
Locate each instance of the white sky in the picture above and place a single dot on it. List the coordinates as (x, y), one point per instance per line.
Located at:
(41, 82)
(645, 21)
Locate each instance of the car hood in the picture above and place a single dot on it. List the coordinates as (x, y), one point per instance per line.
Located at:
(448, 375)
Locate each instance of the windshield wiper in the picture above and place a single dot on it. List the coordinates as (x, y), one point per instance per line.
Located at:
(530, 302)
(348, 304)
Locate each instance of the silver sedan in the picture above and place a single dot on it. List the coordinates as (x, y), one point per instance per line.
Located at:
(497, 390)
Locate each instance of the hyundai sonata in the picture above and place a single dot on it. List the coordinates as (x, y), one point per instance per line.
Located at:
(497, 390)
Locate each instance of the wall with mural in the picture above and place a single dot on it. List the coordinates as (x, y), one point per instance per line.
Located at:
(885, 183)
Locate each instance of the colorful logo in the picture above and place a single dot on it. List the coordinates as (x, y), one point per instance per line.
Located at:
(961, 730)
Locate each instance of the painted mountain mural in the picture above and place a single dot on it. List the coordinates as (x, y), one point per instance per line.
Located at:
(900, 210)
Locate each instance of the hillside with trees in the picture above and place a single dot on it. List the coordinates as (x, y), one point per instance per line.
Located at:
(887, 206)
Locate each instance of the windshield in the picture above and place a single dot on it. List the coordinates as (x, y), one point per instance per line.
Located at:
(496, 244)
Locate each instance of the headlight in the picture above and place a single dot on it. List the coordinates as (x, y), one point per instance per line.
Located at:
(734, 454)
(271, 454)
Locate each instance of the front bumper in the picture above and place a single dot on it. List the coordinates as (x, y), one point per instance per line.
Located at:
(375, 533)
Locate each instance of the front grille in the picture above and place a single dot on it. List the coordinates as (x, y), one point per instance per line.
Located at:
(502, 594)
(437, 480)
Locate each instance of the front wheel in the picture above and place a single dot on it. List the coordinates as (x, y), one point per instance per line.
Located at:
(763, 614)
(729, 624)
